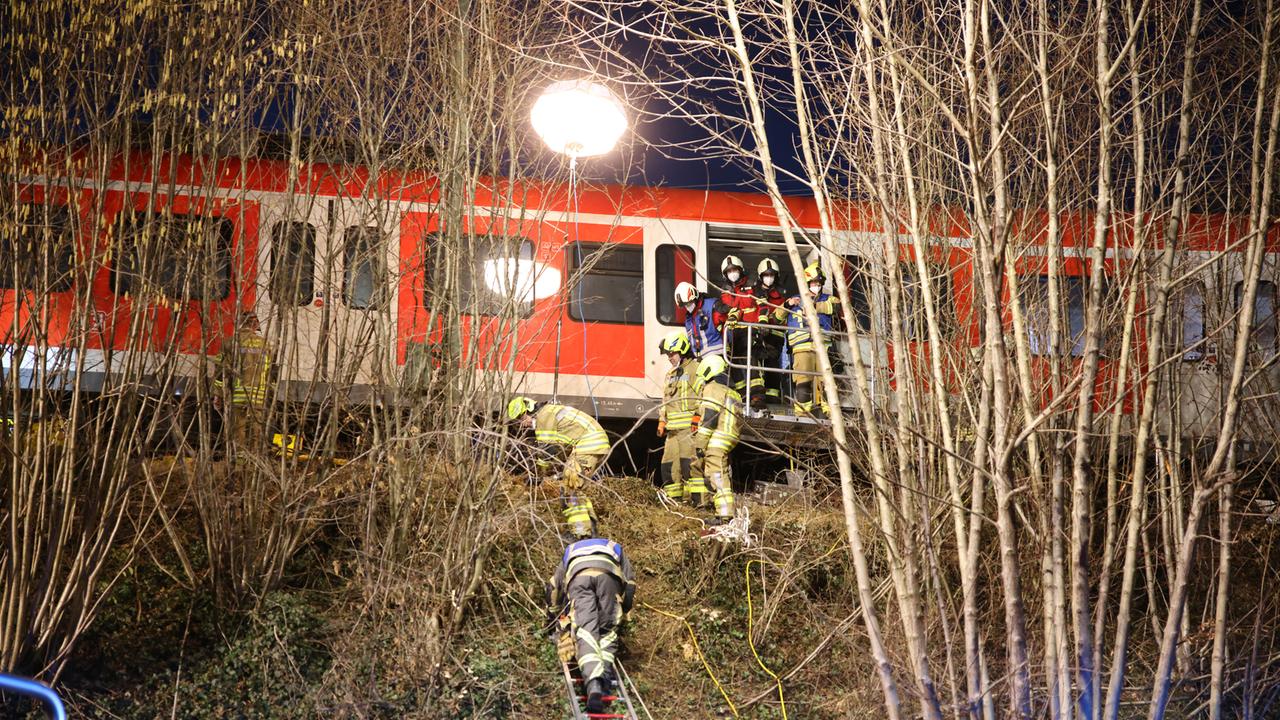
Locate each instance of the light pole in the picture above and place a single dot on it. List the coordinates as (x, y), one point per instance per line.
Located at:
(577, 118)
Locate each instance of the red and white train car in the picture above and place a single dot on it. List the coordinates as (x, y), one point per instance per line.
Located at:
(332, 257)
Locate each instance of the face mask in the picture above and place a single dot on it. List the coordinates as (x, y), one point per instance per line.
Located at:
(767, 280)
(733, 276)
(690, 306)
(815, 288)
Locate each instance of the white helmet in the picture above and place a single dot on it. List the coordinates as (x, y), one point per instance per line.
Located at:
(767, 265)
(728, 262)
(686, 293)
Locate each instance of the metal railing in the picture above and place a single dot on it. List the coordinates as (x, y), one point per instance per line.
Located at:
(35, 689)
(844, 379)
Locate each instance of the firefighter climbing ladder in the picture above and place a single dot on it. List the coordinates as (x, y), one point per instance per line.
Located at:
(617, 707)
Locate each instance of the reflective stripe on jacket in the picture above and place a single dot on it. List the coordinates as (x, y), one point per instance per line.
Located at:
(597, 554)
(704, 328)
(721, 410)
(679, 398)
(246, 363)
(798, 330)
(562, 425)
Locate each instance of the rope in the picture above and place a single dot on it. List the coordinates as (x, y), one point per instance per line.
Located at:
(701, 657)
(750, 631)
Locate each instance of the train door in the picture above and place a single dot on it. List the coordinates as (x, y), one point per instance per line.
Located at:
(359, 266)
(290, 297)
(671, 256)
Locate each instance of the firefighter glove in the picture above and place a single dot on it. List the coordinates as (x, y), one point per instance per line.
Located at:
(565, 647)
(662, 428)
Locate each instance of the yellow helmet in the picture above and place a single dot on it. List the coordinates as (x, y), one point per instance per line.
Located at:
(676, 341)
(813, 272)
(519, 407)
(711, 367)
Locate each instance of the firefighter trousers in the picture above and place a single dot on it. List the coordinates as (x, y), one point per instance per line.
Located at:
(695, 485)
(719, 477)
(808, 387)
(677, 462)
(595, 609)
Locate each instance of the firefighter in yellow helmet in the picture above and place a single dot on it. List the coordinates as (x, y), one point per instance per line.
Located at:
(675, 415)
(243, 383)
(575, 439)
(719, 425)
(808, 398)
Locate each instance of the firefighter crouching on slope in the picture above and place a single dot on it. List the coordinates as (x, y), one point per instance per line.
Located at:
(703, 321)
(243, 367)
(809, 399)
(768, 351)
(718, 427)
(675, 417)
(740, 300)
(597, 583)
(562, 432)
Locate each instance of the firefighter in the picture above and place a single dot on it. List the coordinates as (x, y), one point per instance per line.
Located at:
(719, 424)
(769, 299)
(243, 367)
(703, 321)
(679, 402)
(573, 437)
(595, 587)
(809, 399)
(742, 306)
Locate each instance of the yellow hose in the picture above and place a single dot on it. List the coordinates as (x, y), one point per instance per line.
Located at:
(750, 624)
(702, 657)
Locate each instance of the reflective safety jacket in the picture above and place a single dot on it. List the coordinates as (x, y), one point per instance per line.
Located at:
(679, 397)
(769, 300)
(741, 297)
(570, 429)
(245, 365)
(798, 330)
(705, 325)
(721, 411)
(596, 554)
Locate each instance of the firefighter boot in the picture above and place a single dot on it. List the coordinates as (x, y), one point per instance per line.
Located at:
(595, 695)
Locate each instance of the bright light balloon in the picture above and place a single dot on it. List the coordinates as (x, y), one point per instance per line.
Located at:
(579, 118)
(524, 280)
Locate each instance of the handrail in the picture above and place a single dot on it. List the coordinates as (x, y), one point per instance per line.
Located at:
(37, 690)
(837, 334)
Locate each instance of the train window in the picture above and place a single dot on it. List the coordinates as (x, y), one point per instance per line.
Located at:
(672, 264)
(293, 263)
(363, 268)
(1035, 305)
(856, 277)
(914, 321)
(609, 283)
(1193, 322)
(1263, 334)
(750, 254)
(183, 257)
(499, 281)
(41, 253)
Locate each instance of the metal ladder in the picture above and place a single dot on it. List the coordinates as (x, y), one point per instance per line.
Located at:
(617, 707)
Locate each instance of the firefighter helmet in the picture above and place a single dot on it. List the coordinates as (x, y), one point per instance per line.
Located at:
(767, 265)
(519, 407)
(675, 342)
(813, 272)
(686, 293)
(711, 367)
(730, 261)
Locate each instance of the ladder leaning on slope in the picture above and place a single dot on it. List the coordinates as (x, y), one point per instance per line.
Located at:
(618, 706)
